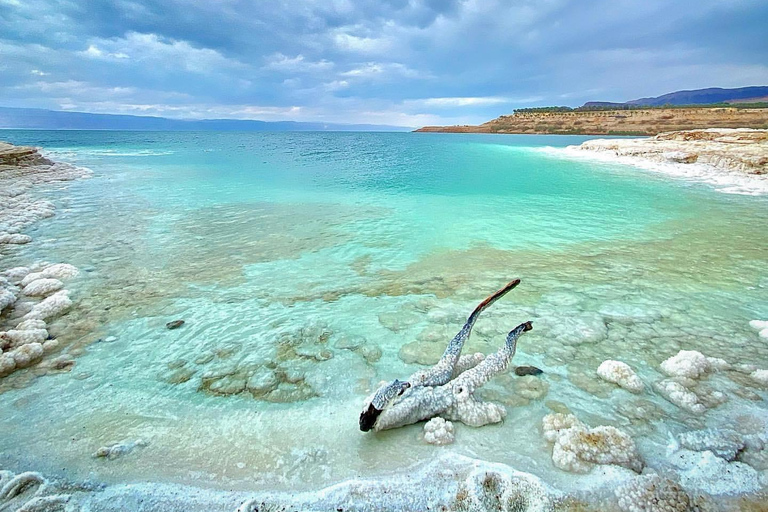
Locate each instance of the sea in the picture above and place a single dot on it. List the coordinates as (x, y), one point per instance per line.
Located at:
(309, 267)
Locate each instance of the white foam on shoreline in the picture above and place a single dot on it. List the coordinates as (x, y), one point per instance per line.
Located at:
(727, 182)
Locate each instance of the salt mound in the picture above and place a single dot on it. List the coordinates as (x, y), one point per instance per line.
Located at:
(652, 493)
(60, 271)
(622, 374)
(579, 448)
(52, 306)
(42, 287)
(438, 431)
(724, 443)
(692, 364)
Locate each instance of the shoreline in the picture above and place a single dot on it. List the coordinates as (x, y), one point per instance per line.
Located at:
(453, 481)
(734, 161)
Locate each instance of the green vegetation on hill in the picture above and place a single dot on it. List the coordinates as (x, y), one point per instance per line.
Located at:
(625, 106)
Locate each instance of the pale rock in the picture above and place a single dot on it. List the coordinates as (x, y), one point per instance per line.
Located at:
(579, 448)
(42, 287)
(680, 396)
(51, 306)
(438, 431)
(7, 298)
(60, 271)
(760, 376)
(18, 338)
(32, 276)
(687, 363)
(27, 354)
(31, 324)
(14, 238)
(622, 374)
(758, 325)
(16, 274)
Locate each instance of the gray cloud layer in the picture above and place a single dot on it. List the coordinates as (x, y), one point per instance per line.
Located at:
(406, 62)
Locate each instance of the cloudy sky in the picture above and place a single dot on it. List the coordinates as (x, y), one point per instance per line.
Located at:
(400, 62)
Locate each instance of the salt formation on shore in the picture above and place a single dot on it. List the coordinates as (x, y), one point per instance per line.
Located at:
(438, 431)
(735, 158)
(29, 296)
(620, 373)
(578, 448)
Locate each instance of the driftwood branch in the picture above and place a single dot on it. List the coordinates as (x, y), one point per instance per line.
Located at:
(446, 389)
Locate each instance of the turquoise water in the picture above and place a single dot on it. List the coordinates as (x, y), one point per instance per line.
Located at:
(265, 241)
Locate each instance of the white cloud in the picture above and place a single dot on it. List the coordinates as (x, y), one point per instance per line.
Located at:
(373, 70)
(350, 43)
(297, 64)
(471, 101)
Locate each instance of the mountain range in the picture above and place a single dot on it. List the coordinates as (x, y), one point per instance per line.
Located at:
(41, 119)
(696, 97)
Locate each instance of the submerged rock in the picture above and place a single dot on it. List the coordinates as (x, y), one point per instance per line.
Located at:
(522, 371)
(175, 324)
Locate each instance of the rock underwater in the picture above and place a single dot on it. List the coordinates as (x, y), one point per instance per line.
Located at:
(447, 389)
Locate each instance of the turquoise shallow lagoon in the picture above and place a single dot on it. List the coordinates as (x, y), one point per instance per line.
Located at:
(333, 261)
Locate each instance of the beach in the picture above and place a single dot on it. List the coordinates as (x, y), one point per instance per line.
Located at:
(307, 272)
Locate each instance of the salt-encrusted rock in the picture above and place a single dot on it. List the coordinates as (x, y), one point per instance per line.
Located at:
(725, 443)
(42, 287)
(763, 333)
(687, 363)
(760, 376)
(14, 238)
(7, 298)
(60, 271)
(438, 431)
(758, 325)
(553, 424)
(15, 274)
(680, 157)
(50, 307)
(32, 276)
(652, 493)
(578, 448)
(18, 338)
(622, 374)
(704, 471)
(31, 324)
(27, 354)
(680, 396)
(7, 364)
(116, 450)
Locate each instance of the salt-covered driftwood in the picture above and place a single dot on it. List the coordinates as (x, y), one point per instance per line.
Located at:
(446, 389)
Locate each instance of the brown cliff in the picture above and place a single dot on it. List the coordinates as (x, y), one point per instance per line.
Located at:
(617, 122)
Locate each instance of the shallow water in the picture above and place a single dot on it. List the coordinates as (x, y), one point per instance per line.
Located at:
(279, 248)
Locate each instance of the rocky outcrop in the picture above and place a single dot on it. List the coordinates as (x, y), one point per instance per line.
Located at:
(616, 122)
(742, 150)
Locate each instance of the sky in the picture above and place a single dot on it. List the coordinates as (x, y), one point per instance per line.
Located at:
(395, 62)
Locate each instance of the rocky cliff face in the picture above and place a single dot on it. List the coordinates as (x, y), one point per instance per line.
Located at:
(617, 122)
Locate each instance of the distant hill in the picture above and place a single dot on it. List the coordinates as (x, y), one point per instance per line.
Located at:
(41, 119)
(695, 97)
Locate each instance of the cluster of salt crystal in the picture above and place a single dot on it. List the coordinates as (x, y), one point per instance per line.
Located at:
(438, 431)
(652, 493)
(622, 374)
(579, 448)
(26, 344)
(683, 388)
